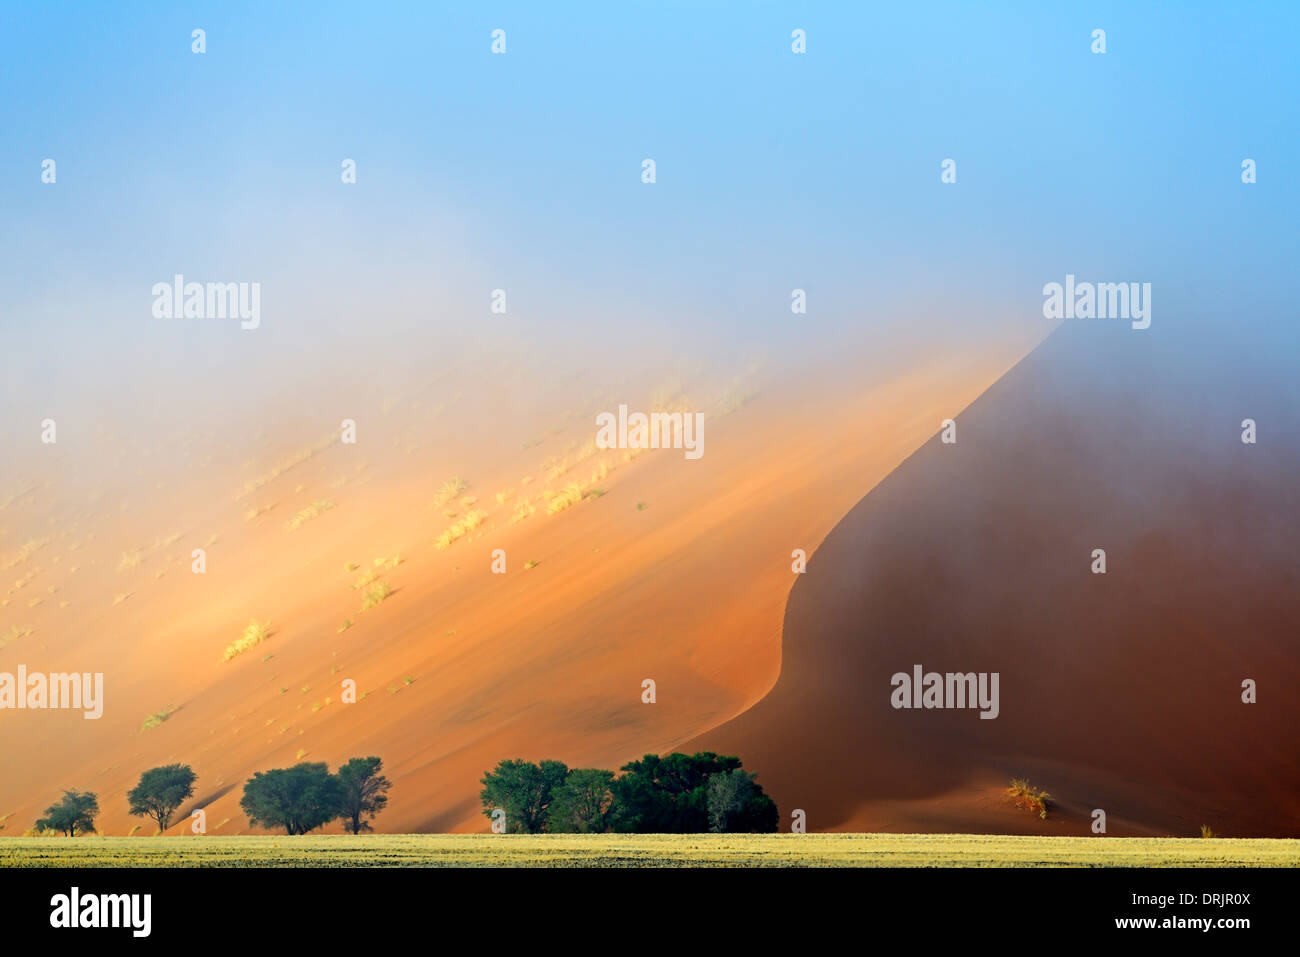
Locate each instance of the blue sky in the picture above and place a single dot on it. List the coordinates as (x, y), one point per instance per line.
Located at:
(521, 171)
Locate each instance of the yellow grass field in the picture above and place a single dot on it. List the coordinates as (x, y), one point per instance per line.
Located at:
(647, 850)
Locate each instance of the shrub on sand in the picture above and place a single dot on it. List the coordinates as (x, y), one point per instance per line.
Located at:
(253, 635)
(1025, 795)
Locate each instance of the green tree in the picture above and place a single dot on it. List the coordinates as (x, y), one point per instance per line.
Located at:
(160, 792)
(298, 799)
(75, 812)
(666, 795)
(670, 795)
(581, 805)
(524, 791)
(728, 793)
(364, 792)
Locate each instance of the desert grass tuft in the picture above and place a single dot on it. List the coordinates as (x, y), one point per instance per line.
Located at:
(567, 497)
(254, 634)
(316, 508)
(157, 718)
(375, 594)
(450, 489)
(472, 520)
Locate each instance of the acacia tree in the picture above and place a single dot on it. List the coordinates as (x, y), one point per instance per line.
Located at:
(524, 791)
(298, 799)
(160, 792)
(581, 805)
(671, 795)
(728, 793)
(75, 812)
(364, 792)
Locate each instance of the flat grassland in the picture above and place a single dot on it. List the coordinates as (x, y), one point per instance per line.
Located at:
(647, 850)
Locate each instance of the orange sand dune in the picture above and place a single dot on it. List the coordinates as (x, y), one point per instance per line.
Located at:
(459, 667)
(1119, 692)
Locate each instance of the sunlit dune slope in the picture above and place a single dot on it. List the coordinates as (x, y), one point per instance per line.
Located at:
(659, 568)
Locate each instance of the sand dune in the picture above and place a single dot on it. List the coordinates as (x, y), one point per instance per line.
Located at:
(1119, 691)
(678, 572)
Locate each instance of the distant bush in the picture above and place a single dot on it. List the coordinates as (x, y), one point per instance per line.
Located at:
(1029, 797)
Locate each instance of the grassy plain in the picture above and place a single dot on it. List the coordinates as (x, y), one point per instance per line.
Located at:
(646, 850)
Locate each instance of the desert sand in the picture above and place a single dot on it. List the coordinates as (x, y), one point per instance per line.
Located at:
(1119, 691)
(667, 569)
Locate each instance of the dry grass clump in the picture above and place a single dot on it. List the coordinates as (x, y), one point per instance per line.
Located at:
(472, 520)
(318, 507)
(567, 497)
(375, 594)
(254, 634)
(157, 718)
(450, 489)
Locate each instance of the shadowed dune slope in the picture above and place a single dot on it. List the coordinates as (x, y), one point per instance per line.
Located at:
(1119, 691)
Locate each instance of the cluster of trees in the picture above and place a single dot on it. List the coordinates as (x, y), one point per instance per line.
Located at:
(306, 796)
(299, 799)
(672, 794)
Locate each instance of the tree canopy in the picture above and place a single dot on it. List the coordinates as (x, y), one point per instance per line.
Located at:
(670, 795)
(674, 794)
(524, 791)
(298, 799)
(76, 811)
(582, 804)
(364, 793)
(160, 792)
